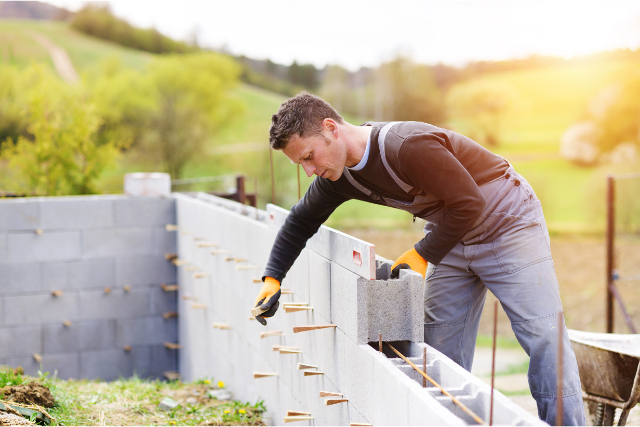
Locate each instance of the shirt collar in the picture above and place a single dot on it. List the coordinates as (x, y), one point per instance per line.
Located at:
(363, 162)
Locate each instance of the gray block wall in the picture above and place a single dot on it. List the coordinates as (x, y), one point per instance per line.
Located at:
(82, 246)
(352, 293)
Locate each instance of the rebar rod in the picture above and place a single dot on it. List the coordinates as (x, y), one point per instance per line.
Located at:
(493, 359)
(442, 390)
(560, 376)
(623, 308)
(609, 251)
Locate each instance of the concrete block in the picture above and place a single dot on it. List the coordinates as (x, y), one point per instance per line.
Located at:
(344, 296)
(76, 212)
(20, 341)
(99, 273)
(144, 270)
(320, 285)
(145, 331)
(26, 309)
(20, 214)
(20, 277)
(4, 254)
(62, 365)
(393, 308)
(117, 304)
(162, 360)
(117, 242)
(51, 246)
(164, 241)
(109, 365)
(161, 301)
(80, 336)
(140, 211)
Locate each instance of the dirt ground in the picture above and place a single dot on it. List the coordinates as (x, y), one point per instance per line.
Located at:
(580, 267)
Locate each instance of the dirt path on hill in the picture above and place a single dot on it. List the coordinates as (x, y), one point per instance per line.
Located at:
(59, 56)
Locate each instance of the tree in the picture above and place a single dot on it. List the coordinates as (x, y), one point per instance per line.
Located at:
(483, 104)
(62, 155)
(192, 97)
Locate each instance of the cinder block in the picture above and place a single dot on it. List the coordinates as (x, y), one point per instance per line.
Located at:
(66, 364)
(162, 301)
(320, 285)
(147, 270)
(76, 212)
(109, 365)
(20, 341)
(51, 246)
(80, 336)
(146, 211)
(146, 331)
(117, 242)
(21, 214)
(20, 277)
(345, 304)
(162, 360)
(26, 309)
(86, 274)
(164, 241)
(117, 304)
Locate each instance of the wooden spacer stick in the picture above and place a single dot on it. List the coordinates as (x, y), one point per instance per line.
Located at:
(201, 275)
(302, 366)
(127, 348)
(252, 318)
(360, 424)
(184, 233)
(239, 260)
(178, 262)
(38, 231)
(220, 325)
(170, 314)
(219, 252)
(277, 347)
(289, 351)
(207, 245)
(186, 297)
(257, 311)
(191, 268)
(256, 280)
(264, 374)
(297, 329)
(329, 402)
(37, 357)
(245, 267)
(330, 394)
(285, 291)
(171, 227)
(293, 419)
(172, 345)
(296, 308)
(107, 290)
(127, 288)
(198, 305)
(229, 258)
(171, 375)
(56, 293)
(271, 334)
(442, 390)
(170, 257)
(295, 413)
(294, 304)
(310, 373)
(67, 323)
(169, 288)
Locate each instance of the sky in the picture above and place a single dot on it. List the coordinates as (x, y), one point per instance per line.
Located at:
(355, 33)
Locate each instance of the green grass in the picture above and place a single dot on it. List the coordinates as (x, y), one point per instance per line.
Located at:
(487, 341)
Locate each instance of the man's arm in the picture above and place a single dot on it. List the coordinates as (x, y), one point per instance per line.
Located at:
(425, 162)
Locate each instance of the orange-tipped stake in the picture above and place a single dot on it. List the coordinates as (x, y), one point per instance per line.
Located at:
(297, 329)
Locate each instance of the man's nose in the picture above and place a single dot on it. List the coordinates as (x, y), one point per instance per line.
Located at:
(308, 169)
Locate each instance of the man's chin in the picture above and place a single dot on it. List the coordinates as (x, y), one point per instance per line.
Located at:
(334, 176)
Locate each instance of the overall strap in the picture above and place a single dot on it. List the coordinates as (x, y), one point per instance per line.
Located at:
(359, 186)
(381, 137)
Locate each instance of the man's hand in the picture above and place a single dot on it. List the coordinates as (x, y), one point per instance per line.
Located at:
(267, 300)
(410, 259)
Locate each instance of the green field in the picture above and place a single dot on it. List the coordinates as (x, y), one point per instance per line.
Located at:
(548, 100)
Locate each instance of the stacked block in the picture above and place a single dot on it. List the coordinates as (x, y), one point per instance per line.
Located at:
(354, 293)
(103, 257)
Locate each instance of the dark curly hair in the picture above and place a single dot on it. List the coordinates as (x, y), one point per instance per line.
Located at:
(301, 115)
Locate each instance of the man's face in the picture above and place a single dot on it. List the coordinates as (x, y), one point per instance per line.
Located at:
(320, 154)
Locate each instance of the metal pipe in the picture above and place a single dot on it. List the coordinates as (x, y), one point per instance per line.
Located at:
(424, 366)
(609, 262)
(614, 290)
(442, 390)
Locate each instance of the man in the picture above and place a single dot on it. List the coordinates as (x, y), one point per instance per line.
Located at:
(485, 229)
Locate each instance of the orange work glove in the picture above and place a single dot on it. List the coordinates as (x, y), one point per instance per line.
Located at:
(267, 300)
(412, 260)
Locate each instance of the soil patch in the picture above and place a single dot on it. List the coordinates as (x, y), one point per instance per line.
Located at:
(31, 393)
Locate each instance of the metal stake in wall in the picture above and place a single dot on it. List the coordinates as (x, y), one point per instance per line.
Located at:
(609, 266)
(424, 366)
(559, 408)
(493, 359)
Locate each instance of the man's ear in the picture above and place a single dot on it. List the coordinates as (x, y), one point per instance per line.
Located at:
(331, 126)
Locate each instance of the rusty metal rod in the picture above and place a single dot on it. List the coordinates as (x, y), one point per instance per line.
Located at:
(442, 390)
(609, 248)
(614, 291)
(299, 197)
(424, 366)
(380, 343)
(273, 180)
(493, 359)
(560, 377)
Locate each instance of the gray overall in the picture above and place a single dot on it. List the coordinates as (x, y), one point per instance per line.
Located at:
(507, 251)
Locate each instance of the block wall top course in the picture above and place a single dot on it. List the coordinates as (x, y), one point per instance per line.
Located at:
(19, 214)
(65, 213)
(52, 246)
